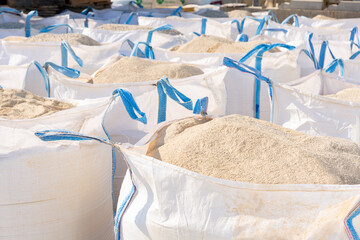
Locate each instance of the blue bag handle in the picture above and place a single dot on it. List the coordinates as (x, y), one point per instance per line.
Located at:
(295, 17)
(27, 22)
(44, 74)
(150, 34)
(330, 68)
(131, 44)
(131, 15)
(261, 49)
(86, 21)
(201, 106)
(203, 27)
(135, 50)
(273, 16)
(166, 89)
(274, 30)
(311, 51)
(352, 57)
(324, 46)
(177, 11)
(262, 24)
(52, 27)
(264, 46)
(318, 64)
(130, 105)
(354, 36)
(242, 38)
(69, 72)
(247, 69)
(60, 134)
(135, 4)
(240, 26)
(1, 87)
(65, 49)
(87, 10)
(9, 10)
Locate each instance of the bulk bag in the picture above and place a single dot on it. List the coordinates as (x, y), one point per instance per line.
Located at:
(347, 23)
(317, 55)
(208, 58)
(159, 39)
(186, 26)
(312, 104)
(93, 57)
(14, 77)
(293, 33)
(31, 23)
(59, 190)
(209, 85)
(103, 117)
(31, 77)
(240, 92)
(306, 109)
(159, 200)
(248, 96)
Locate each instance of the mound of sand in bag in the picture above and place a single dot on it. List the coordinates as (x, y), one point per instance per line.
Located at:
(213, 44)
(134, 69)
(21, 104)
(71, 38)
(245, 149)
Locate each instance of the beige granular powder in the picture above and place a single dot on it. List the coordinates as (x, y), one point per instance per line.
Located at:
(133, 69)
(213, 44)
(123, 27)
(238, 13)
(322, 17)
(21, 104)
(71, 38)
(248, 150)
(348, 94)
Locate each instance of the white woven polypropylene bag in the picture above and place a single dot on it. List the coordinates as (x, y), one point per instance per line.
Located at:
(56, 190)
(210, 84)
(93, 57)
(162, 201)
(299, 105)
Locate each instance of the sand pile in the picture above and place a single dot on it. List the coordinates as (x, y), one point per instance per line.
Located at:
(123, 27)
(248, 150)
(212, 44)
(21, 104)
(238, 13)
(133, 69)
(71, 38)
(347, 94)
(322, 17)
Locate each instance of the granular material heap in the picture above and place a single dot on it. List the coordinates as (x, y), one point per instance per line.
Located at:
(245, 149)
(133, 69)
(213, 44)
(71, 38)
(21, 104)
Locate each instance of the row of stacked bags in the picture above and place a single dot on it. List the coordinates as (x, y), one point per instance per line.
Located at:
(134, 123)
